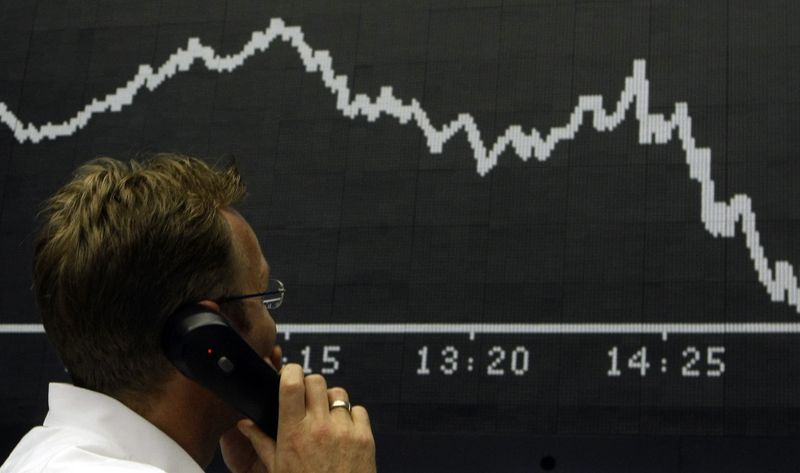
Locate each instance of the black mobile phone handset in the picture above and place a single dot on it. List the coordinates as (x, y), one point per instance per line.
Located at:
(206, 349)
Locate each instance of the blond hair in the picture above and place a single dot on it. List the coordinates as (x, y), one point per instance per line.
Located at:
(122, 246)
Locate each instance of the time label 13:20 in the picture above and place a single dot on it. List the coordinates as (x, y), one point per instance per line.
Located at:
(500, 361)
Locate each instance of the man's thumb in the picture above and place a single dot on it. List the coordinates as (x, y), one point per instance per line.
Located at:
(262, 443)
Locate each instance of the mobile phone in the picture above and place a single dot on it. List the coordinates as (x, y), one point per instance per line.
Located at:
(205, 348)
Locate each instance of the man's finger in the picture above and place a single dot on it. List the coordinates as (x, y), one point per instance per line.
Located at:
(361, 418)
(292, 405)
(338, 394)
(276, 357)
(317, 396)
(263, 445)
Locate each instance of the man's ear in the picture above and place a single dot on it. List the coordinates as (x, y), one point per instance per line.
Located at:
(234, 317)
(211, 305)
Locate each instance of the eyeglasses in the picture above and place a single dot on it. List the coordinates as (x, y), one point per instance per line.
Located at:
(272, 298)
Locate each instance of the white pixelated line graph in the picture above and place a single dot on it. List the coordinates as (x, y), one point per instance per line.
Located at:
(719, 217)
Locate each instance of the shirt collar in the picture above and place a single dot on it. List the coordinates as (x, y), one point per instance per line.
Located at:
(134, 437)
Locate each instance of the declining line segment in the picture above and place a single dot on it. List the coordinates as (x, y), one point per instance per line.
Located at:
(719, 218)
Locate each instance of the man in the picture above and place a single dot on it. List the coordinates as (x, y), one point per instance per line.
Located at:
(123, 246)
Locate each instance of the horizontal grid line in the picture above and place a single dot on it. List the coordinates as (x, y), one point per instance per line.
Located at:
(752, 328)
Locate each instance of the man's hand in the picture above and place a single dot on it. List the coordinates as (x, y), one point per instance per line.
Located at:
(312, 438)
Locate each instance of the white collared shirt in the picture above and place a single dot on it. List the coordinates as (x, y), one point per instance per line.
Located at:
(86, 431)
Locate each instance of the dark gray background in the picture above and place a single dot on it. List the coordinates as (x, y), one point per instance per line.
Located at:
(364, 224)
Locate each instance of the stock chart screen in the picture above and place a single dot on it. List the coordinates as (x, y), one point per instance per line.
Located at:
(549, 218)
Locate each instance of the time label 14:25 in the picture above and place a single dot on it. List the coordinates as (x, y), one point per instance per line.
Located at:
(500, 361)
(695, 362)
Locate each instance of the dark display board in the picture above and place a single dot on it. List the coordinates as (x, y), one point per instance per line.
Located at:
(500, 223)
